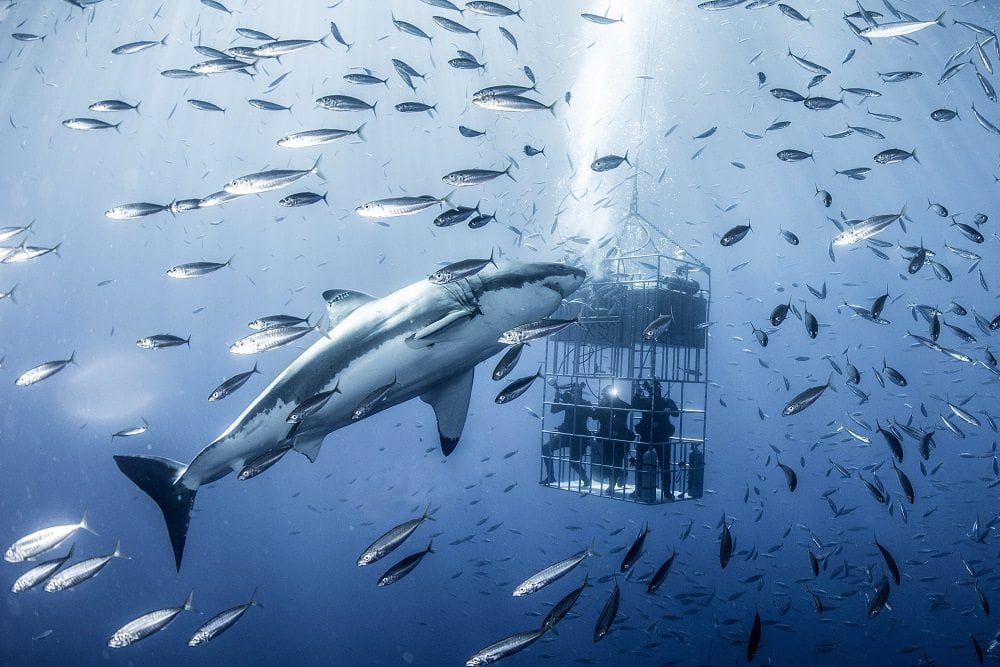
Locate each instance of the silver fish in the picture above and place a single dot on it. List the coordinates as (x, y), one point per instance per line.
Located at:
(867, 228)
(397, 206)
(405, 566)
(196, 269)
(608, 614)
(467, 177)
(371, 401)
(805, 398)
(136, 47)
(311, 405)
(460, 270)
(506, 647)
(551, 573)
(135, 210)
(283, 47)
(508, 361)
(259, 464)
(43, 540)
(232, 384)
(534, 330)
(204, 105)
(318, 137)
(147, 624)
(345, 103)
(269, 339)
(264, 181)
(160, 341)
(89, 124)
(221, 622)
(43, 371)
(272, 321)
(515, 103)
(899, 28)
(487, 8)
(77, 573)
(392, 539)
(516, 388)
(658, 327)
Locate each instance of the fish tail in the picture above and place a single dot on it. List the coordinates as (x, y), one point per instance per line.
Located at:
(913, 154)
(159, 478)
(85, 525)
(358, 131)
(506, 171)
(187, 606)
(315, 168)
(117, 553)
(940, 19)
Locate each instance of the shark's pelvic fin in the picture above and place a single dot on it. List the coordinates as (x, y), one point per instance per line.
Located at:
(450, 401)
(158, 477)
(308, 444)
(342, 302)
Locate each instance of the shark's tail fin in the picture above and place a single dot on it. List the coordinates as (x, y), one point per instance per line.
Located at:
(158, 478)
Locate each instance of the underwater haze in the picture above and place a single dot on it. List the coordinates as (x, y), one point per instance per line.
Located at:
(832, 165)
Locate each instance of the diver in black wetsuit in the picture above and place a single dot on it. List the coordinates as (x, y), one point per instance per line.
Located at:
(614, 435)
(654, 429)
(571, 433)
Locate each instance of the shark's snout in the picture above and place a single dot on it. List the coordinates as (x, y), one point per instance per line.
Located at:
(566, 280)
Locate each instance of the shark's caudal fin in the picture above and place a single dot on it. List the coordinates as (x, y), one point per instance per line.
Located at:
(450, 401)
(158, 478)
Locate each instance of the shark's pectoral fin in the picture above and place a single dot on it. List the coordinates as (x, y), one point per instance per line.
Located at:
(450, 401)
(308, 444)
(441, 328)
(342, 302)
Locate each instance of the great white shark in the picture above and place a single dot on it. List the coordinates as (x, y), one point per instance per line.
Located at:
(424, 339)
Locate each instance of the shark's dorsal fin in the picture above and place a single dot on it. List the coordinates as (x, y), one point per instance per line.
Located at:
(342, 302)
(450, 400)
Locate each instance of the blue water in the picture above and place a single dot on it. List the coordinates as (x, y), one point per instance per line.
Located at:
(295, 532)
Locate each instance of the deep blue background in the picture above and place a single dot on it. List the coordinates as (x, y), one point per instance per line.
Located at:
(295, 532)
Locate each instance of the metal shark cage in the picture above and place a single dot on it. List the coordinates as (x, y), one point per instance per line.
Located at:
(624, 413)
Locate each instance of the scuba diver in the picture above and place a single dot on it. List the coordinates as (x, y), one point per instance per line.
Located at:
(654, 431)
(572, 433)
